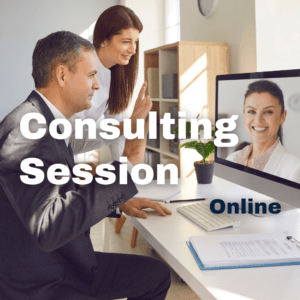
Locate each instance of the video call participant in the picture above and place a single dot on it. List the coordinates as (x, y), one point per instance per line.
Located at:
(45, 250)
(264, 115)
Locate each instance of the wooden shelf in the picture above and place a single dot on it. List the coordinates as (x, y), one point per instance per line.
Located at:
(167, 153)
(197, 65)
(164, 100)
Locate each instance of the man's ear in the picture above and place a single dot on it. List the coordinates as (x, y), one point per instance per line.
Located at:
(61, 74)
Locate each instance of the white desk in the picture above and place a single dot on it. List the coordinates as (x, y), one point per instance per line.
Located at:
(168, 236)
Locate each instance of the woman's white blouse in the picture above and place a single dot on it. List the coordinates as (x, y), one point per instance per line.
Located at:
(97, 112)
(280, 163)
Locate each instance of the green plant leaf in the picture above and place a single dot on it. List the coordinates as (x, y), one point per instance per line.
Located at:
(188, 130)
(204, 149)
(200, 147)
(209, 148)
(191, 145)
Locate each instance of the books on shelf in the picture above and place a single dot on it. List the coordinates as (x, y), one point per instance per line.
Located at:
(154, 142)
(153, 82)
(244, 251)
(173, 144)
(170, 86)
(152, 159)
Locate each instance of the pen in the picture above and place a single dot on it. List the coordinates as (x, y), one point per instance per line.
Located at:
(189, 200)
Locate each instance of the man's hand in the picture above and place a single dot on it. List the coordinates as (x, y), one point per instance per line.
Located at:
(133, 207)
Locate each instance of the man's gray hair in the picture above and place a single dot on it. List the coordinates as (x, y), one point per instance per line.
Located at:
(58, 47)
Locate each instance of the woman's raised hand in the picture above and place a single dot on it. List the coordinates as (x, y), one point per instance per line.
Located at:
(135, 149)
(141, 108)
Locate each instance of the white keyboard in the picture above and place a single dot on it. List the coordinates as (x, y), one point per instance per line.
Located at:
(201, 214)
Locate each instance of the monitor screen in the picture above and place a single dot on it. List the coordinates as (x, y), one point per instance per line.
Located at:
(268, 152)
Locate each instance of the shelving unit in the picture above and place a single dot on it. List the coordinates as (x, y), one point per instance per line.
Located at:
(197, 64)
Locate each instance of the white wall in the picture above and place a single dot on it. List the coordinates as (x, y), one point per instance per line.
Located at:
(233, 22)
(151, 14)
(22, 24)
(278, 34)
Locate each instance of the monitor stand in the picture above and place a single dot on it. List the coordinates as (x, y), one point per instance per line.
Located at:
(284, 208)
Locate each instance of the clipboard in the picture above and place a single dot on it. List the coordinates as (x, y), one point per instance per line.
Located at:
(201, 266)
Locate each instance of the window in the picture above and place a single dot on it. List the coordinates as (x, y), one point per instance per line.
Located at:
(172, 21)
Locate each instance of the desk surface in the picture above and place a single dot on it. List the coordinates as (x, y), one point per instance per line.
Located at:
(168, 237)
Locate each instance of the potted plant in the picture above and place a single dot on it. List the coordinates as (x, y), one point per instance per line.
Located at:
(204, 168)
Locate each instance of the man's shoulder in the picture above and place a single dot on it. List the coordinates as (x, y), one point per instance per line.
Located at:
(13, 119)
(13, 145)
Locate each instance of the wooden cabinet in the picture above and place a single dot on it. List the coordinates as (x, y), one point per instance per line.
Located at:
(197, 64)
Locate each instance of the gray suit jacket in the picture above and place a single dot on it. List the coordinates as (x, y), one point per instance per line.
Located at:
(45, 248)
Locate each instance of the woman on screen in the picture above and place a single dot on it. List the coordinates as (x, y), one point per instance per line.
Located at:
(264, 115)
(116, 40)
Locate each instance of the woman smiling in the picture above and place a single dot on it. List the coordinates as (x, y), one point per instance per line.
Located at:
(116, 40)
(264, 115)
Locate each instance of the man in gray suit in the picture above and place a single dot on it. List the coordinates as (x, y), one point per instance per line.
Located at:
(45, 249)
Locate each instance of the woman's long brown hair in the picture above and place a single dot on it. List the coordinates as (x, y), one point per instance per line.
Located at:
(123, 78)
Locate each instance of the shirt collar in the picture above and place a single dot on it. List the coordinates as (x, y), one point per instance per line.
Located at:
(100, 65)
(56, 113)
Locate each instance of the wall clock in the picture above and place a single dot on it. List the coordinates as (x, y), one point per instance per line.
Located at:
(207, 7)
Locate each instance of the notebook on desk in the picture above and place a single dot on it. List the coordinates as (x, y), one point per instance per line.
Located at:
(157, 192)
(244, 251)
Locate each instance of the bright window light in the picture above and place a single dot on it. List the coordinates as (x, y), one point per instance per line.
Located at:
(194, 71)
(88, 33)
(172, 21)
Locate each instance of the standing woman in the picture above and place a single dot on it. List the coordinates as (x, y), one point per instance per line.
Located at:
(116, 39)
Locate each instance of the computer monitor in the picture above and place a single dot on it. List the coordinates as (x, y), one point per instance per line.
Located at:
(230, 96)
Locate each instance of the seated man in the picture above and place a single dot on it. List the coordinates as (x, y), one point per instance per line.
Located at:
(45, 250)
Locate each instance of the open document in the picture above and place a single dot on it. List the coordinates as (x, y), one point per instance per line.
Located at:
(246, 250)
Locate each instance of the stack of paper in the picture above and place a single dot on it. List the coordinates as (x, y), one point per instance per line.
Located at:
(242, 251)
(157, 192)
